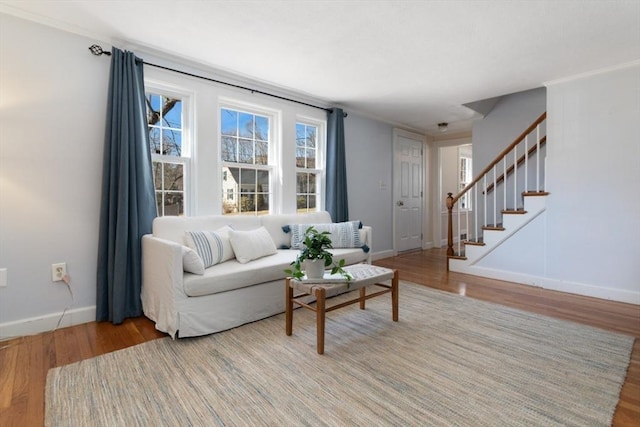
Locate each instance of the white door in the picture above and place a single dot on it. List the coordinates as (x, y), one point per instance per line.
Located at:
(407, 192)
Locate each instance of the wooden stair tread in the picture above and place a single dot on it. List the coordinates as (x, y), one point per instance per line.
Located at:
(514, 211)
(474, 243)
(535, 193)
(498, 227)
(462, 257)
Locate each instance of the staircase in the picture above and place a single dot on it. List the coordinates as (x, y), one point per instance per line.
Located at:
(503, 199)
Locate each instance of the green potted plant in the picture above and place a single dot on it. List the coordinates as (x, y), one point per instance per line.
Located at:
(314, 257)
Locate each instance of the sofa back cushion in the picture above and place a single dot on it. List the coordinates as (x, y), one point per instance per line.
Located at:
(173, 227)
(251, 244)
(342, 234)
(275, 223)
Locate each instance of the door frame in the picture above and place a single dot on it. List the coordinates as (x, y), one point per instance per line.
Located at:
(439, 193)
(422, 139)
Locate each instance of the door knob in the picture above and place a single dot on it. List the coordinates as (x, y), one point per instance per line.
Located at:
(400, 203)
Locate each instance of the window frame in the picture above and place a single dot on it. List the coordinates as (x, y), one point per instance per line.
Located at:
(186, 158)
(274, 148)
(465, 201)
(320, 166)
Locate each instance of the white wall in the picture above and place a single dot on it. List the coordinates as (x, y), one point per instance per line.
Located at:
(593, 175)
(52, 114)
(587, 241)
(449, 163)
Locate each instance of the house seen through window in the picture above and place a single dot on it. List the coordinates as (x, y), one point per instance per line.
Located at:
(246, 170)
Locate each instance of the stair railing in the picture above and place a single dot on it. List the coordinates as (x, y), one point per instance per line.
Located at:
(497, 187)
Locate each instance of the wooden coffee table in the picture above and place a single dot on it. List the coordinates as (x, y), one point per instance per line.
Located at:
(363, 275)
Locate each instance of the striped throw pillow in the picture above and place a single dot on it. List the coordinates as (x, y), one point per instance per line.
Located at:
(213, 247)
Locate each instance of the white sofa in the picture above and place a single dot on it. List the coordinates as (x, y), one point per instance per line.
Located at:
(230, 293)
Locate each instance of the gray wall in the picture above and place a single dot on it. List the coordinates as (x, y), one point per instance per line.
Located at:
(510, 116)
(369, 152)
(53, 109)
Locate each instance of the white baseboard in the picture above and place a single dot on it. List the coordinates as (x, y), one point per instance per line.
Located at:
(382, 254)
(427, 245)
(36, 325)
(584, 289)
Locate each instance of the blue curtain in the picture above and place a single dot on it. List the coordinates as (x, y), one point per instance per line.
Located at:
(336, 202)
(128, 199)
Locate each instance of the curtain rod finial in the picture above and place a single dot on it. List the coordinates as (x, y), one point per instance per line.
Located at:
(97, 50)
(344, 113)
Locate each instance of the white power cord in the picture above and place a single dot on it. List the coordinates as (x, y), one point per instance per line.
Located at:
(67, 280)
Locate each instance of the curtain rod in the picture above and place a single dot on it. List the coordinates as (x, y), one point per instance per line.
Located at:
(98, 51)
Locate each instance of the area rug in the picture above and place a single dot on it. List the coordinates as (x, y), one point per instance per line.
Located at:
(449, 361)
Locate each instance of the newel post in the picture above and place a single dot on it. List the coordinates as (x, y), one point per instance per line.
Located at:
(450, 225)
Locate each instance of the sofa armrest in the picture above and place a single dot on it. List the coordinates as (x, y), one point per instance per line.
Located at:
(162, 281)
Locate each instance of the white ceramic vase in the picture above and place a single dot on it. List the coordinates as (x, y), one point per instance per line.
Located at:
(313, 268)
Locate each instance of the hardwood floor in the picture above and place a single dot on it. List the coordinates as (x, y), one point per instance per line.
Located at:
(24, 362)
(429, 268)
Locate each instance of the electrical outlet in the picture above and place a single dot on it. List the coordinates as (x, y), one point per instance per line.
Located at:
(58, 271)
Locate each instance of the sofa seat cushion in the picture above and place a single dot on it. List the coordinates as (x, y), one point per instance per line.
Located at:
(231, 274)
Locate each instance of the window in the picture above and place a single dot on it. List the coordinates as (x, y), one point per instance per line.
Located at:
(168, 152)
(246, 170)
(307, 170)
(465, 179)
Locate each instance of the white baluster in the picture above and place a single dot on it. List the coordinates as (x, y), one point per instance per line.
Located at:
(495, 196)
(526, 163)
(504, 182)
(458, 231)
(538, 158)
(475, 211)
(484, 185)
(466, 214)
(515, 177)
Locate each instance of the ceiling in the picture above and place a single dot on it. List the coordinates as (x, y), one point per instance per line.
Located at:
(411, 63)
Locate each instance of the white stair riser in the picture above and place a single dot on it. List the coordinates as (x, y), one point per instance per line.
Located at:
(492, 237)
(534, 205)
(473, 251)
(509, 221)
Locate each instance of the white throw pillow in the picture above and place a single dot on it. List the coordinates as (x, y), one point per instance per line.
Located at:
(213, 247)
(252, 244)
(191, 261)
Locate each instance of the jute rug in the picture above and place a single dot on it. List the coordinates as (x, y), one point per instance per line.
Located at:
(450, 360)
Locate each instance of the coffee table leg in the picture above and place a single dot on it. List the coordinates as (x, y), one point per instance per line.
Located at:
(362, 297)
(394, 295)
(320, 316)
(289, 307)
